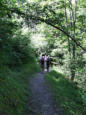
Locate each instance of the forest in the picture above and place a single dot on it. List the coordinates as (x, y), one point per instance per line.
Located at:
(29, 28)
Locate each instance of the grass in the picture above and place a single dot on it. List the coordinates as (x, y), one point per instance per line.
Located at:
(14, 91)
(66, 94)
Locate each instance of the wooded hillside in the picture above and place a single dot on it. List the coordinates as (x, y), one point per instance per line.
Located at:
(29, 28)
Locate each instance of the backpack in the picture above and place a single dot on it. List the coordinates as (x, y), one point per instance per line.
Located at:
(48, 61)
(42, 60)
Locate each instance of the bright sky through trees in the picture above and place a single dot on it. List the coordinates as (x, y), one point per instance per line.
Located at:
(29, 28)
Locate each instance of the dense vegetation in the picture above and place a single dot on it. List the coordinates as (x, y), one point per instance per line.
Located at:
(68, 96)
(31, 27)
(17, 63)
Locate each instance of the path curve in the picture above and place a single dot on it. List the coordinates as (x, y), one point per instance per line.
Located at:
(41, 99)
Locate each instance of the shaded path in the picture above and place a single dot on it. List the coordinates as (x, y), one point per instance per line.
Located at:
(41, 99)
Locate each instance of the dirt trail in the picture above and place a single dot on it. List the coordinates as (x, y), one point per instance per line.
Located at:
(41, 99)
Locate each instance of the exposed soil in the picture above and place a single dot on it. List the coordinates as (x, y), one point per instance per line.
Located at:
(41, 100)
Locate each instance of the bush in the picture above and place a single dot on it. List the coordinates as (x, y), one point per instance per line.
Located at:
(66, 93)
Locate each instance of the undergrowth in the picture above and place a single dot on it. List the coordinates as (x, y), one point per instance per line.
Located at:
(14, 91)
(67, 95)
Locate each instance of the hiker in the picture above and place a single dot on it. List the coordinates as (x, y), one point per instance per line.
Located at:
(42, 62)
(48, 63)
(45, 62)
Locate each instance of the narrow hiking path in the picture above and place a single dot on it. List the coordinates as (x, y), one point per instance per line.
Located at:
(41, 99)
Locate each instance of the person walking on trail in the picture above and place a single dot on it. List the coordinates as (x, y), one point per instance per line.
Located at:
(48, 63)
(45, 62)
(42, 62)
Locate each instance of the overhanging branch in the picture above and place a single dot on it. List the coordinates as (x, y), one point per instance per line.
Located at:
(66, 33)
(47, 22)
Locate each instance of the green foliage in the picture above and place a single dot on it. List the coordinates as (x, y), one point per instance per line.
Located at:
(14, 45)
(17, 62)
(14, 91)
(16, 49)
(12, 95)
(66, 94)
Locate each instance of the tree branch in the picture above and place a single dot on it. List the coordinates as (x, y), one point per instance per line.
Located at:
(45, 21)
(66, 33)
